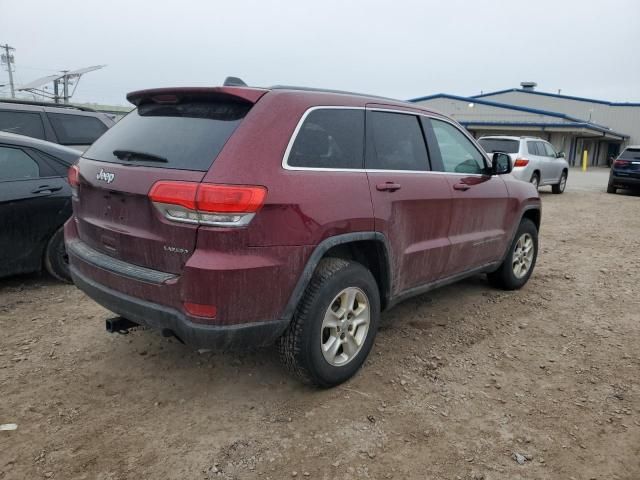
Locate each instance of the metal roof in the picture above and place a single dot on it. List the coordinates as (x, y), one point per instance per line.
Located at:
(570, 121)
(558, 95)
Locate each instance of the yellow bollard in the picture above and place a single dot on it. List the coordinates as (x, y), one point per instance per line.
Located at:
(585, 158)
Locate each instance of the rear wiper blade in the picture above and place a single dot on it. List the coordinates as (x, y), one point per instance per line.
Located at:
(130, 155)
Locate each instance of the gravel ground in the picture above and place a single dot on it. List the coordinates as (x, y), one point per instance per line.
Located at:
(462, 383)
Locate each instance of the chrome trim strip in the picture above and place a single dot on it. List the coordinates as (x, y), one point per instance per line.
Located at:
(84, 252)
(285, 158)
(287, 152)
(164, 208)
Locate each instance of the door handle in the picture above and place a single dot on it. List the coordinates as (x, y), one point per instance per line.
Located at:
(46, 189)
(461, 186)
(388, 186)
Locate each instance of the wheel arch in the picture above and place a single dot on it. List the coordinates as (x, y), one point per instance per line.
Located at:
(534, 215)
(368, 248)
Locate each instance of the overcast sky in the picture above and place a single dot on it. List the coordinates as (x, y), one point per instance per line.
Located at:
(398, 48)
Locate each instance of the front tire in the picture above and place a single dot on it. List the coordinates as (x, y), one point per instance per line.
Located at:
(56, 260)
(334, 326)
(560, 186)
(520, 261)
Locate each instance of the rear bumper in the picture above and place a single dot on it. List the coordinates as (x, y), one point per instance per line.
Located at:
(628, 182)
(522, 173)
(162, 318)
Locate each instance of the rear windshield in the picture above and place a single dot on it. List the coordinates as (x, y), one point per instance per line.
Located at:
(630, 154)
(491, 145)
(185, 136)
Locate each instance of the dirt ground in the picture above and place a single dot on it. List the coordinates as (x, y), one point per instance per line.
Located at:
(459, 380)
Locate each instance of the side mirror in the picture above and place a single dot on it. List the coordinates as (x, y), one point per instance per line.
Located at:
(500, 163)
(560, 155)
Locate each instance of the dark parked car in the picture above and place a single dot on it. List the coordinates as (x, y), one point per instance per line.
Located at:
(625, 171)
(35, 201)
(70, 125)
(239, 216)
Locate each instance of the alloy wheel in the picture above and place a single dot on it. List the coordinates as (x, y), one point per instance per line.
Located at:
(345, 326)
(523, 255)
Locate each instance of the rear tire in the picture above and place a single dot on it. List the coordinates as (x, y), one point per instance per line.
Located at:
(341, 299)
(560, 186)
(512, 274)
(56, 260)
(611, 189)
(535, 180)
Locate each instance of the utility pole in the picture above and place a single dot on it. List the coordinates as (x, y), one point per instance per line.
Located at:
(65, 86)
(8, 59)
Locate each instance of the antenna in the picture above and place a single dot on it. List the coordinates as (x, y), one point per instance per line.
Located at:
(64, 80)
(233, 82)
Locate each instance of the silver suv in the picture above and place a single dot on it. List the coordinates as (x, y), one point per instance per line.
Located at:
(534, 160)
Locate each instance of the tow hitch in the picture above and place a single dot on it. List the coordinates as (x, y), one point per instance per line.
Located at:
(119, 325)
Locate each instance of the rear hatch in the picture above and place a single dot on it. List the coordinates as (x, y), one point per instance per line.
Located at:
(173, 135)
(628, 163)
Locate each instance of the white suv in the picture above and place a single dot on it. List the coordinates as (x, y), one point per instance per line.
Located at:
(534, 160)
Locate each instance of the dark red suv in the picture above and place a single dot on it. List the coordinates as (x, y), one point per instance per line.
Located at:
(238, 216)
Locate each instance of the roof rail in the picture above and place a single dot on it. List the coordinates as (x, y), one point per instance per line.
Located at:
(45, 104)
(327, 90)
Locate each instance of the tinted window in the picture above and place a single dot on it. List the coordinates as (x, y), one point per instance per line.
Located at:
(549, 151)
(630, 154)
(76, 129)
(23, 123)
(188, 135)
(491, 145)
(16, 165)
(396, 142)
(532, 148)
(329, 138)
(458, 154)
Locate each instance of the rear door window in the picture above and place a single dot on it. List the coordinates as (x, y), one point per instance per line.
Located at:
(395, 142)
(505, 145)
(329, 138)
(22, 123)
(15, 164)
(186, 136)
(532, 148)
(76, 129)
(458, 153)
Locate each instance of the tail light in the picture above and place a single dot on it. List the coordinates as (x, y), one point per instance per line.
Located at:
(621, 163)
(521, 162)
(206, 203)
(73, 177)
(201, 310)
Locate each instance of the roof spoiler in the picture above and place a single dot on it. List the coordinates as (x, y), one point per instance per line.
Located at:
(179, 94)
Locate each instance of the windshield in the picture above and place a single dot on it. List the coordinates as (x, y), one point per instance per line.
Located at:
(491, 145)
(186, 136)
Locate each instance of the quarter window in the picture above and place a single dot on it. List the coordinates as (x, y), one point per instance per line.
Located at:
(330, 138)
(396, 142)
(23, 123)
(458, 153)
(76, 129)
(17, 165)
